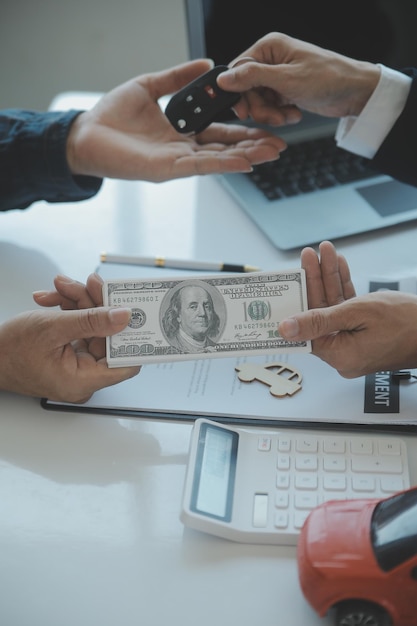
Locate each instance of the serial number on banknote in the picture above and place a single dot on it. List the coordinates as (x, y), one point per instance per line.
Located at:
(177, 319)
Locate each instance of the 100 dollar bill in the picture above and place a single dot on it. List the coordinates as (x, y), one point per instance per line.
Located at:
(177, 319)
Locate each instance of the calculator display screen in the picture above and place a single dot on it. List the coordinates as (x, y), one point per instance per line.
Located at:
(215, 471)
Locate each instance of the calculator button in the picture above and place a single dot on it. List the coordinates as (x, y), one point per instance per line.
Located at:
(334, 464)
(264, 444)
(283, 480)
(260, 510)
(334, 483)
(281, 520)
(284, 444)
(307, 444)
(308, 500)
(385, 464)
(361, 446)
(307, 462)
(283, 462)
(335, 445)
(389, 447)
(391, 484)
(306, 481)
(282, 500)
(363, 483)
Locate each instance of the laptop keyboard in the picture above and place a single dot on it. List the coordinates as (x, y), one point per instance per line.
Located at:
(309, 166)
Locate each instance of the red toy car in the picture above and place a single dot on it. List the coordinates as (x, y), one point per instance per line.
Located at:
(359, 558)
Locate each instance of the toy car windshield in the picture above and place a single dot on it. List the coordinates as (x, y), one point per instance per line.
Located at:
(394, 530)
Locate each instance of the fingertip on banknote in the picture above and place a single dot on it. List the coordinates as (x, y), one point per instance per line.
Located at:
(289, 328)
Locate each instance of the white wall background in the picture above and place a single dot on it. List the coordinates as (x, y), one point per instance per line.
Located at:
(50, 46)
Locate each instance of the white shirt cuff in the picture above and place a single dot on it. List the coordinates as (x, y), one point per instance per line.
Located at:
(364, 134)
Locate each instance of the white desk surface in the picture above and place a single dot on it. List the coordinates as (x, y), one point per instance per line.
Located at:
(89, 505)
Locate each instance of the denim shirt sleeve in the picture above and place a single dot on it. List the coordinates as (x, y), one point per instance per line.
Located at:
(33, 163)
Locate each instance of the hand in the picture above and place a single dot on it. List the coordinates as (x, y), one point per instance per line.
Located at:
(70, 294)
(51, 354)
(61, 355)
(287, 75)
(127, 136)
(355, 335)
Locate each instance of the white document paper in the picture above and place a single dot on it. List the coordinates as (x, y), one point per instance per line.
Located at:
(212, 388)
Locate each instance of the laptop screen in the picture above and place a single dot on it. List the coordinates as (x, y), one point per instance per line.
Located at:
(381, 31)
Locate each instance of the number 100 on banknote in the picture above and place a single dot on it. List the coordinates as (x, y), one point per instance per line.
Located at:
(178, 319)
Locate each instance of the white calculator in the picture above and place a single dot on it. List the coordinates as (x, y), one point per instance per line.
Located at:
(257, 486)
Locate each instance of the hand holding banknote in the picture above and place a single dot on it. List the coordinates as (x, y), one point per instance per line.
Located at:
(177, 319)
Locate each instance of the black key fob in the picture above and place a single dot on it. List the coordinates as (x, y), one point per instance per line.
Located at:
(196, 106)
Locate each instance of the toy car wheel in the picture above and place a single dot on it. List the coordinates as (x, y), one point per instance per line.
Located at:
(357, 613)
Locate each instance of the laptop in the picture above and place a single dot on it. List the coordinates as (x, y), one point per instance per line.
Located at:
(315, 191)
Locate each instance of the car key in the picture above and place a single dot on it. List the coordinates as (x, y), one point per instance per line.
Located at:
(196, 106)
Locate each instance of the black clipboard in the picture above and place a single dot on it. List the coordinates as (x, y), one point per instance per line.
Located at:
(389, 428)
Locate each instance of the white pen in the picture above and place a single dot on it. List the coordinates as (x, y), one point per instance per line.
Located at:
(180, 264)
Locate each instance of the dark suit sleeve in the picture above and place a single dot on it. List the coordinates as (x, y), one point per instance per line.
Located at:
(397, 155)
(33, 163)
